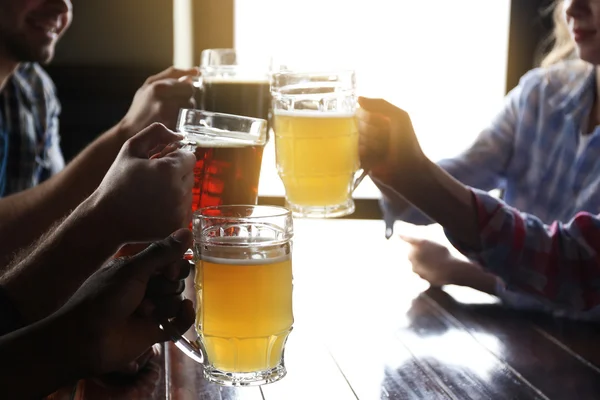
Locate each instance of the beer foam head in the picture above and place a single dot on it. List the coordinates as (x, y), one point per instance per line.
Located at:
(258, 251)
(314, 113)
(249, 262)
(211, 137)
(221, 143)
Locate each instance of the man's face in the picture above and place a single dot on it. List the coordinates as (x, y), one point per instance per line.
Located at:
(29, 29)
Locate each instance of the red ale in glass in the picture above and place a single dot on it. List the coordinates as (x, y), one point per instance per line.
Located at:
(226, 173)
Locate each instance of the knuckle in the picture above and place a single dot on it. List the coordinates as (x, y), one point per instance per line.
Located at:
(129, 146)
(165, 167)
(157, 127)
(160, 246)
(160, 88)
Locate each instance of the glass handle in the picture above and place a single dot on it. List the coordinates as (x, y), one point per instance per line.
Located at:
(197, 81)
(188, 347)
(358, 180)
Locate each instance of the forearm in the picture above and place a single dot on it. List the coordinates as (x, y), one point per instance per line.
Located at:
(395, 208)
(26, 215)
(38, 359)
(441, 197)
(46, 278)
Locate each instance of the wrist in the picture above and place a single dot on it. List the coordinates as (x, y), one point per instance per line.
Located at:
(97, 215)
(123, 130)
(405, 174)
(473, 276)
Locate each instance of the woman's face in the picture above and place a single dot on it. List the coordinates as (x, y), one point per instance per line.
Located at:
(583, 19)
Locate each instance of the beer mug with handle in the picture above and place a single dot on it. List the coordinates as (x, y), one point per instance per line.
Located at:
(243, 286)
(229, 150)
(316, 141)
(231, 84)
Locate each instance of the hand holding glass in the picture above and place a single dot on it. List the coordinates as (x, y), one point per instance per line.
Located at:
(243, 286)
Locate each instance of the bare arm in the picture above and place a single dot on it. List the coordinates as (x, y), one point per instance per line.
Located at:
(25, 216)
(71, 253)
(114, 214)
(483, 165)
(441, 197)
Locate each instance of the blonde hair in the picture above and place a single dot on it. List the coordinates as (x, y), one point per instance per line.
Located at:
(562, 46)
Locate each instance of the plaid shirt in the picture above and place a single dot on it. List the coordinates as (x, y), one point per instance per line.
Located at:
(530, 151)
(559, 262)
(29, 141)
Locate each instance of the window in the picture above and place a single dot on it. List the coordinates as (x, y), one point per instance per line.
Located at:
(442, 61)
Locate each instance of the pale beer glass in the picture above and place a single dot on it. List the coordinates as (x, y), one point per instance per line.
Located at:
(316, 140)
(243, 286)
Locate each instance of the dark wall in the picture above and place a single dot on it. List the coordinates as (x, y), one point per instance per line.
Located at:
(93, 99)
(530, 25)
(111, 47)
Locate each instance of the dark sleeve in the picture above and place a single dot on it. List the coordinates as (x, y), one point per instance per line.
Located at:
(10, 318)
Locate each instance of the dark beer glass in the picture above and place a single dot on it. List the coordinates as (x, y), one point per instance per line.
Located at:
(229, 85)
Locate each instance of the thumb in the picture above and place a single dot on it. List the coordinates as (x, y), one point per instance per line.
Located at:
(150, 137)
(160, 254)
(410, 239)
(173, 73)
(382, 107)
(376, 105)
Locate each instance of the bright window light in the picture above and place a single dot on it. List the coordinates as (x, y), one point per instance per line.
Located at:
(442, 61)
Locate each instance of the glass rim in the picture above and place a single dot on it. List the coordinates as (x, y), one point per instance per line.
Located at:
(316, 72)
(281, 211)
(218, 49)
(220, 114)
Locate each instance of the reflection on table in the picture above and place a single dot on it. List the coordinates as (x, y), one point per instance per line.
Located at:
(366, 327)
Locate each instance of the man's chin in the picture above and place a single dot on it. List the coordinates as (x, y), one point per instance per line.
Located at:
(42, 56)
(38, 54)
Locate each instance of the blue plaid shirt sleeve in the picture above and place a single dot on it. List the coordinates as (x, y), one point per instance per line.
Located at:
(557, 263)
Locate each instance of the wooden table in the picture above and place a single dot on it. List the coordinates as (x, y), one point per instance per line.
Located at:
(366, 327)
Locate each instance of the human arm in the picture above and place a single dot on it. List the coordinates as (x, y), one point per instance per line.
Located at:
(434, 263)
(559, 263)
(482, 165)
(108, 322)
(27, 214)
(139, 200)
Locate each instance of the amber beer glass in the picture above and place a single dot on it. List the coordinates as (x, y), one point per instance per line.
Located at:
(228, 151)
(316, 141)
(229, 84)
(243, 285)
